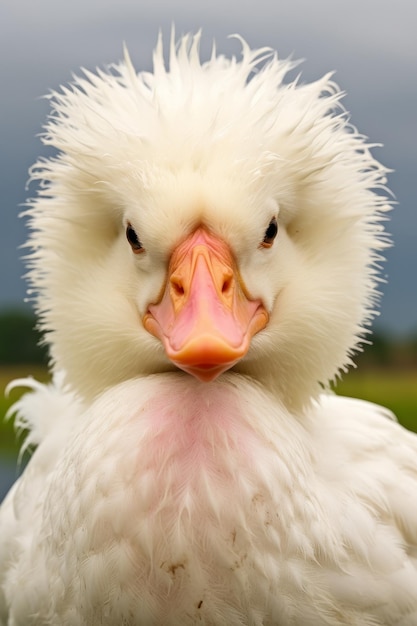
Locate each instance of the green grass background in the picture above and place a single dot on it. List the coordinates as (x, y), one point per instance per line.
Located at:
(394, 389)
(9, 441)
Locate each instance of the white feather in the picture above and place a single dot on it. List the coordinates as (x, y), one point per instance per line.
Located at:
(153, 498)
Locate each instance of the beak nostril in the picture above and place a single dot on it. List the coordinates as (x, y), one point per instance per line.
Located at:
(227, 283)
(177, 287)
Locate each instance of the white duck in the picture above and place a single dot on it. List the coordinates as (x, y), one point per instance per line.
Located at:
(205, 252)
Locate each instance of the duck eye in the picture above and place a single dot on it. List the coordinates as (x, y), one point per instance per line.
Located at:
(133, 239)
(270, 233)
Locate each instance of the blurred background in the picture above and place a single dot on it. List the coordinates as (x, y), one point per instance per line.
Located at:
(371, 46)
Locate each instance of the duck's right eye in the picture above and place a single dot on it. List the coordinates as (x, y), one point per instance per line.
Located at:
(270, 233)
(133, 239)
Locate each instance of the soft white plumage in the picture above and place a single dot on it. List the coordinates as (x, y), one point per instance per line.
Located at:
(154, 497)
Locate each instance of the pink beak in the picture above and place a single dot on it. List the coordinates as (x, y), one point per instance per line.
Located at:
(204, 319)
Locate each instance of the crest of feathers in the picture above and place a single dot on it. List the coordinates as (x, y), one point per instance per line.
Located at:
(225, 136)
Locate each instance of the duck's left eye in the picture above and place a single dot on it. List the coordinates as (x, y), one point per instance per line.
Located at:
(133, 239)
(270, 233)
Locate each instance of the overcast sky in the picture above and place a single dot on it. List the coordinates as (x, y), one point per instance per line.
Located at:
(371, 45)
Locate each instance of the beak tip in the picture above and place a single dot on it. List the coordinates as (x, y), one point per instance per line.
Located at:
(204, 373)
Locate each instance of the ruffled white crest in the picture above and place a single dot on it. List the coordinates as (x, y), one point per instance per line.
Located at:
(220, 141)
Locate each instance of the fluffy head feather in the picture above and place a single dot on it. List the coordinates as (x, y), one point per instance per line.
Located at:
(225, 143)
